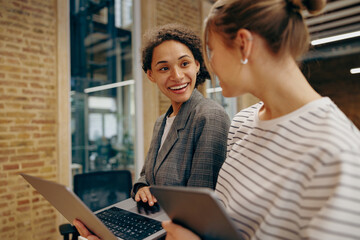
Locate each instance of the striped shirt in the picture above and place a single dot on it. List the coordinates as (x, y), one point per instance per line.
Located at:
(293, 177)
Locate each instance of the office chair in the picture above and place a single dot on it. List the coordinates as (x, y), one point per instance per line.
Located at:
(98, 190)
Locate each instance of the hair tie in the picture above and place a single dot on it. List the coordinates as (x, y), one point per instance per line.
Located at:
(293, 6)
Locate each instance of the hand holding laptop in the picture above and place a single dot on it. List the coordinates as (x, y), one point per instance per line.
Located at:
(177, 232)
(84, 232)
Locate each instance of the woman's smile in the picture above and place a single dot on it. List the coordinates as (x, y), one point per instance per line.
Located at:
(178, 88)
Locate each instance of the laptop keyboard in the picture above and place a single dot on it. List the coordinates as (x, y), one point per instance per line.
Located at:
(128, 225)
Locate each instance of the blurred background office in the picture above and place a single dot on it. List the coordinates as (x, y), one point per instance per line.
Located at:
(74, 99)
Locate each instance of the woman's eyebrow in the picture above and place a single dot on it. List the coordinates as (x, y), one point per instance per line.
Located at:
(183, 56)
(159, 62)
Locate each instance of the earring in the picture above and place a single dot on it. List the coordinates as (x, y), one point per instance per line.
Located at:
(198, 73)
(244, 61)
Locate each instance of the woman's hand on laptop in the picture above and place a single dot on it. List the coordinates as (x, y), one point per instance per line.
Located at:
(177, 232)
(83, 231)
(144, 195)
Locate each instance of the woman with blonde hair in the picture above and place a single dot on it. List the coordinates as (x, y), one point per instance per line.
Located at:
(292, 169)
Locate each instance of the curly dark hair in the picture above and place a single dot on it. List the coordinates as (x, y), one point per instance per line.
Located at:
(176, 32)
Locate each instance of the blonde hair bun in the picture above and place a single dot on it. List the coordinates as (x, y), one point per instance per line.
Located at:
(312, 6)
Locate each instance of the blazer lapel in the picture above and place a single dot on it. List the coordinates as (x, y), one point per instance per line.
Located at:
(154, 149)
(178, 124)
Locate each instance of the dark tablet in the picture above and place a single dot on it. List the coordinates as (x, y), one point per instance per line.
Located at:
(197, 209)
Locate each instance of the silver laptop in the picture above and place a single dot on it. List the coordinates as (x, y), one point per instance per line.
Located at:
(197, 209)
(108, 228)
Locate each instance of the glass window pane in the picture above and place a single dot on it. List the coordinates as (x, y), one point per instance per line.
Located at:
(95, 126)
(110, 124)
(102, 91)
(214, 92)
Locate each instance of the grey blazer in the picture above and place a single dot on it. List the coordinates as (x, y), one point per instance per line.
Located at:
(194, 149)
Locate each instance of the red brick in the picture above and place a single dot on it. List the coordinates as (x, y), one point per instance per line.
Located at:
(22, 121)
(23, 128)
(36, 85)
(23, 209)
(13, 61)
(5, 213)
(9, 197)
(38, 99)
(14, 76)
(2, 191)
(20, 114)
(22, 143)
(5, 121)
(7, 68)
(32, 164)
(25, 150)
(5, 229)
(4, 159)
(4, 182)
(13, 83)
(23, 136)
(44, 135)
(37, 92)
(44, 121)
(3, 145)
(3, 129)
(10, 167)
(13, 106)
(7, 151)
(33, 106)
(4, 205)
(11, 91)
(35, 78)
(23, 202)
(25, 157)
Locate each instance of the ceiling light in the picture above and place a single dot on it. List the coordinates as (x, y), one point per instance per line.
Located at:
(355, 70)
(109, 86)
(214, 90)
(335, 38)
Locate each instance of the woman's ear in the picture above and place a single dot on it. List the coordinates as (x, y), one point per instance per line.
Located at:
(149, 75)
(197, 65)
(244, 42)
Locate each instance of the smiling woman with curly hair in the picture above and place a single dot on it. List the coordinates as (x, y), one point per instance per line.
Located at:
(189, 141)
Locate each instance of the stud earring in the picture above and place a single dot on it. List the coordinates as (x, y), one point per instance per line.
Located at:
(244, 61)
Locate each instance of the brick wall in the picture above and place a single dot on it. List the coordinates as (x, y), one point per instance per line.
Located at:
(28, 116)
(187, 12)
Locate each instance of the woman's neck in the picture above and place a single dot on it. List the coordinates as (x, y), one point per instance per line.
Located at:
(176, 108)
(284, 89)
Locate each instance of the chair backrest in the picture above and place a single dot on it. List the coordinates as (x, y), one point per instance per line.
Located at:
(101, 189)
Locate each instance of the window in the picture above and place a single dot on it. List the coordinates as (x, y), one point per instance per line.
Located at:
(102, 85)
(214, 93)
